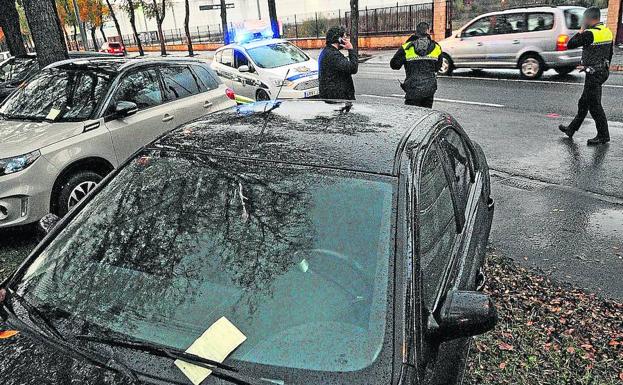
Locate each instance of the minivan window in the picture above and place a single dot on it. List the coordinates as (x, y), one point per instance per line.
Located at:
(540, 22)
(573, 18)
(179, 81)
(480, 27)
(509, 23)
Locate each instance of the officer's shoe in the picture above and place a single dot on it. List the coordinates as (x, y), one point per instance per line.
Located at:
(597, 140)
(568, 131)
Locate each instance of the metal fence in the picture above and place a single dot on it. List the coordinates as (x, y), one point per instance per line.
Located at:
(400, 19)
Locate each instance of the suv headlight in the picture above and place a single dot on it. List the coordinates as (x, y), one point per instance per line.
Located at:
(18, 163)
(280, 82)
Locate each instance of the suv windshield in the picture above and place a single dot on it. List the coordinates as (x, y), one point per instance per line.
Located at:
(296, 258)
(18, 68)
(59, 94)
(573, 17)
(277, 55)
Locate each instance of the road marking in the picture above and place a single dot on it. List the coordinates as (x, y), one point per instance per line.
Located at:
(396, 96)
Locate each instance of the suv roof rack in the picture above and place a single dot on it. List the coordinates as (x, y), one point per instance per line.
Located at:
(528, 7)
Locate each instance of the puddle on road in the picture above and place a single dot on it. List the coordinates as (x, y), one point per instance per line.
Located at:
(608, 221)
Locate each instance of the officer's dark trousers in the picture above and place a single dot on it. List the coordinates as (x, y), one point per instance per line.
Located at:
(591, 102)
(427, 102)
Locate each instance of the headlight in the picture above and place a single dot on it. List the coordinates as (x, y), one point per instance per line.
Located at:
(280, 82)
(18, 163)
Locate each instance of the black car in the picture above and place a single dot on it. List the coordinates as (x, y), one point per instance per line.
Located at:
(345, 241)
(15, 70)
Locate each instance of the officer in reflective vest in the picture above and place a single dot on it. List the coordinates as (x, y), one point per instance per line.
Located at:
(421, 57)
(597, 42)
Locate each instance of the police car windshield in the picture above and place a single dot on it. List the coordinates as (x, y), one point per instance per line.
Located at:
(277, 55)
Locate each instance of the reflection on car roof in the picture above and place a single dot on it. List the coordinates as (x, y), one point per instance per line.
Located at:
(359, 137)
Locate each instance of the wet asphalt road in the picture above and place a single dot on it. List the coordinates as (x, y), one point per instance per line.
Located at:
(559, 203)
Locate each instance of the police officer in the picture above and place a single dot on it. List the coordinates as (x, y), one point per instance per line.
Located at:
(421, 57)
(597, 42)
(335, 70)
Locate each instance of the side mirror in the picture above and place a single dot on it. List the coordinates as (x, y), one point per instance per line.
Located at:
(464, 314)
(47, 223)
(124, 109)
(244, 68)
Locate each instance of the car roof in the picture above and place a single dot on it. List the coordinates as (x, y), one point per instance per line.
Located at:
(538, 8)
(253, 44)
(121, 64)
(334, 134)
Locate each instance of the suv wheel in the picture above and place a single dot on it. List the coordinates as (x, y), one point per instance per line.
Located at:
(76, 187)
(262, 95)
(531, 67)
(446, 65)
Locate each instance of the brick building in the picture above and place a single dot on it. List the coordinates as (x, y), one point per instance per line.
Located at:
(615, 19)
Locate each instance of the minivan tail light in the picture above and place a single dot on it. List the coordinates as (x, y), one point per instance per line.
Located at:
(230, 94)
(561, 43)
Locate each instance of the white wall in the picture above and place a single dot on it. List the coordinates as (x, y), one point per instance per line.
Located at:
(243, 10)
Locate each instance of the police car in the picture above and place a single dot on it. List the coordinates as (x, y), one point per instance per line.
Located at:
(257, 67)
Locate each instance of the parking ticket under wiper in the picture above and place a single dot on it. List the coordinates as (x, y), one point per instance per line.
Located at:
(219, 369)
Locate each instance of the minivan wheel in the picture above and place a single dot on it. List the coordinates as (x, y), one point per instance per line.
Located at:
(76, 187)
(262, 95)
(531, 67)
(446, 65)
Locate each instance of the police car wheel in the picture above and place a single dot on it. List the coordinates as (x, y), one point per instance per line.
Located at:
(531, 67)
(446, 65)
(262, 95)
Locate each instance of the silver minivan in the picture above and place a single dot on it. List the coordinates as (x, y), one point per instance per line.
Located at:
(530, 39)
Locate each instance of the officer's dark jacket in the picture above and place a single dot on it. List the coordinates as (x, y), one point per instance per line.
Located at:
(335, 73)
(597, 43)
(421, 57)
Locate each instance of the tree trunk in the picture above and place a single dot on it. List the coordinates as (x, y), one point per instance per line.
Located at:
(46, 31)
(159, 20)
(187, 29)
(354, 24)
(133, 24)
(272, 14)
(76, 37)
(93, 37)
(9, 21)
(114, 19)
(224, 22)
(103, 33)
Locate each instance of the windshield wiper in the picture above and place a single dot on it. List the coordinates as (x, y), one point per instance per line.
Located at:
(36, 316)
(219, 369)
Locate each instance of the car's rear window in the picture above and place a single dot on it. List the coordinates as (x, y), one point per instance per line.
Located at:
(114, 45)
(573, 18)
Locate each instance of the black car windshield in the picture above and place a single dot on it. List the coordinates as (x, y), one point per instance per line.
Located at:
(18, 68)
(296, 258)
(277, 55)
(59, 94)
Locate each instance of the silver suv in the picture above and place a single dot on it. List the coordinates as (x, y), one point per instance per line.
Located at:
(77, 120)
(530, 39)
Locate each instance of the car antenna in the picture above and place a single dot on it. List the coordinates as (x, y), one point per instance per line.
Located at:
(275, 105)
(282, 83)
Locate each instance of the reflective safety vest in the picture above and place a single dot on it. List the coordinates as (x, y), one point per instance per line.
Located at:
(598, 53)
(411, 55)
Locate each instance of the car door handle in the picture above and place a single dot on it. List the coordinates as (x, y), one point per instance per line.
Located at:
(516, 42)
(208, 104)
(168, 118)
(479, 44)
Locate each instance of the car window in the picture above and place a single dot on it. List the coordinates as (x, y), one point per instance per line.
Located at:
(509, 23)
(540, 22)
(573, 18)
(437, 224)
(179, 81)
(59, 94)
(218, 56)
(18, 69)
(297, 259)
(480, 27)
(240, 59)
(460, 165)
(141, 87)
(227, 57)
(207, 80)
